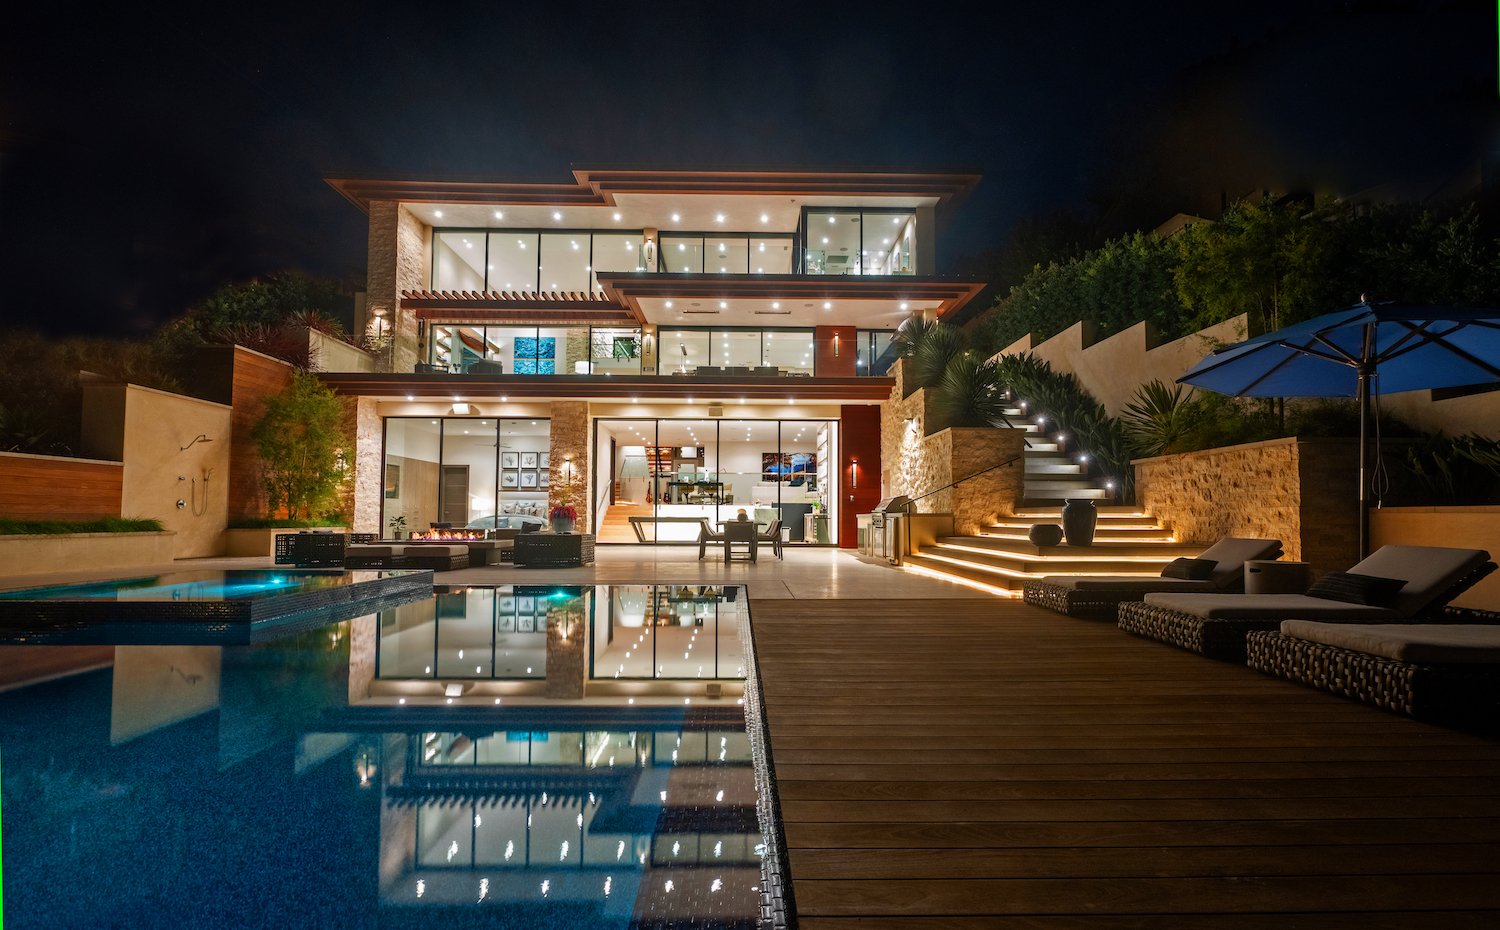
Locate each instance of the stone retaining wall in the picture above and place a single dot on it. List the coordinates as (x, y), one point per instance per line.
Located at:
(1301, 491)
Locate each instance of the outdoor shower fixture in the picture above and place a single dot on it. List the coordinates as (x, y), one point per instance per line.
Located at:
(202, 437)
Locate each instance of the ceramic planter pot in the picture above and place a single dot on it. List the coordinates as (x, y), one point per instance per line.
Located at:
(562, 525)
(1045, 534)
(1079, 518)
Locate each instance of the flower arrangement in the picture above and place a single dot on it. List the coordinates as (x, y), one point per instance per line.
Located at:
(563, 512)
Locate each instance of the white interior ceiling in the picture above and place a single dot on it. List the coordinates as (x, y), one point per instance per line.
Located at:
(695, 212)
(765, 312)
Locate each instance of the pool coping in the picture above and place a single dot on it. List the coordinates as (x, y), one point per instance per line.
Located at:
(778, 902)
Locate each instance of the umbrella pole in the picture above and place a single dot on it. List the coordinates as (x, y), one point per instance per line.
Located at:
(1364, 478)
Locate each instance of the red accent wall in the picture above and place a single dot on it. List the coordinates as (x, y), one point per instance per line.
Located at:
(841, 365)
(859, 430)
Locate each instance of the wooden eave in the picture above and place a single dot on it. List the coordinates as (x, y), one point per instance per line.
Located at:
(477, 388)
(628, 288)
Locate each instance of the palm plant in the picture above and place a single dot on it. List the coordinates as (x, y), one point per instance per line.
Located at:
(970, 392)
(1157, 418)
(928, 346)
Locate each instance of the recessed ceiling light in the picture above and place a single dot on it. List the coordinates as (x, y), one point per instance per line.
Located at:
(669, 305)
(831, 219)
(499, 214)
(676, 218)
(682, 247)
(825, 240)
(718, 218)
(903, 305)
(575, 246)
(556, 215)
(723, 305)
(617, 217)
(775, 305)
(765, 217)
(827, 305)
(521, 243)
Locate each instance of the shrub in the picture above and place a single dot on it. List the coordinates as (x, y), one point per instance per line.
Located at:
(13, 527)
(301, 441)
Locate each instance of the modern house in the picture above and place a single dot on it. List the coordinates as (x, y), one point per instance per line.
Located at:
(657, 347)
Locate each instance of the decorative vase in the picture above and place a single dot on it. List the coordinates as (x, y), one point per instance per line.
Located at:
(1079, 517)
(562, 525)
(1045, 534)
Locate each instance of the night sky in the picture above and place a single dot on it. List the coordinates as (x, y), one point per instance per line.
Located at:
(150, 154)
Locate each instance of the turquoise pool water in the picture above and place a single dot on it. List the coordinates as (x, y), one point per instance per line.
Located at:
(173, 587)
(309, 782)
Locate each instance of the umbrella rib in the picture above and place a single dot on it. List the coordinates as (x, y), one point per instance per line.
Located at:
(1396, 348)
(1338, 356)
(1265, 374)
(1463, 354)
(1225, 361)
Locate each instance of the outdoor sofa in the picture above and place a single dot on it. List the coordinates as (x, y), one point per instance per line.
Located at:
(1440, 672)
(1216, 624)
(1101, 595)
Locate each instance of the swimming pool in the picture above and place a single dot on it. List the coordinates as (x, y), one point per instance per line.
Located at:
(306, 783)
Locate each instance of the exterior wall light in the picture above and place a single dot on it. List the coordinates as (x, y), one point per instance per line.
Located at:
(853, 472)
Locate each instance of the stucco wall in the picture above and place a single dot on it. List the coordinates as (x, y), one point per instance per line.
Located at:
(330, 354)
(914, 463)
(42, 555)
(1113, 368)
(1303, 492)
(148, 430)
(1466, 527)
(152, 432)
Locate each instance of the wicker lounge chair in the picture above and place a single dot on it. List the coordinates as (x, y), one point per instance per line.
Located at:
(1216, 624)
(1101, 595)
(1444, 673)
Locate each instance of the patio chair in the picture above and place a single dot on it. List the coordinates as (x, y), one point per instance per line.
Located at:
(1216, 624)
(740, 533)
(1438, 672)
(706, 535)
(772, 535)
(1100, 596)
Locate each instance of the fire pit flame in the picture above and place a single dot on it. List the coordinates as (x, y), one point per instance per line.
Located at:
(460, 535)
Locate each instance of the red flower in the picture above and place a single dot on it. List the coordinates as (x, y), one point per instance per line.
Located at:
(564, 511)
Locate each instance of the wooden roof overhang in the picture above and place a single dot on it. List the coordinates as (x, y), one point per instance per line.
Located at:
(597, 387)
(599, 186)
(546, 307)
(628, 288)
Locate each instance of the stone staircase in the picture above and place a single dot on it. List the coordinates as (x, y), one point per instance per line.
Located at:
(1002, 558)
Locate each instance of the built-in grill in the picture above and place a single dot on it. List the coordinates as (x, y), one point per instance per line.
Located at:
(881, 536)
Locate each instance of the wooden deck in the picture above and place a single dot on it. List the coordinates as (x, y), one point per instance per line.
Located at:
(980, 763)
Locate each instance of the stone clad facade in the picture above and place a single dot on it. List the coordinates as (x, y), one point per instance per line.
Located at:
(570, 481)
(1301, 491)
(914, 463)
(400, 252)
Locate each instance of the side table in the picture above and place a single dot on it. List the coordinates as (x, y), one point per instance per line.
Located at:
(1268, 577)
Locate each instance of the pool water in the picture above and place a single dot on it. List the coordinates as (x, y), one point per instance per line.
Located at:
(229, 585)
(290, 784)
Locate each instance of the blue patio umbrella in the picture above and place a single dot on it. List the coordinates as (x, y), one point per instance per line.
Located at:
(1374, 347)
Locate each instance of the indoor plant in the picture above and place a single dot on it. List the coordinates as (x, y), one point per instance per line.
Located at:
(397, 525)
(563, 517)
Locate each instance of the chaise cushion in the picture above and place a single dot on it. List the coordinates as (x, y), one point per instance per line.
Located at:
(1127, 584)
(1268, 607)
(1230, 555)
(1189, 569)
(1418, 644)
(1354, 588)
(1429, 572)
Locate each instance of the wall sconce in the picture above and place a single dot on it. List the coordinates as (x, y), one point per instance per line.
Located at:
(835, 345)
(567, 469)
(853, 472)
(648, 254)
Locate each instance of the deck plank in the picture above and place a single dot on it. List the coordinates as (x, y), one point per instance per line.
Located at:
(1000, 766)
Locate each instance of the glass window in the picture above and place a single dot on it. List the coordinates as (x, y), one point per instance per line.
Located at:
(525, 471)
(873, 346)
(771, 255)
(790, 350)
(412, 447)
(569, 348)
(458, 261)
(565, 262)
(616, 252)
(682, 351)
(889, 243)
(726, 255)
(466, 478)
(833, 238)
(512, 262)
(682, 254)
(615, 350)
(735, 348)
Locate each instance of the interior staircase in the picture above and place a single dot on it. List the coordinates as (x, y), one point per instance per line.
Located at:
(1002, 558)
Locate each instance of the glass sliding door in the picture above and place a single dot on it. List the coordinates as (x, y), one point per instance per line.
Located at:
(659, 481)
(466, 472)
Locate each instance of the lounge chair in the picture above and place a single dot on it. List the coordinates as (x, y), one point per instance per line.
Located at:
(1444, 673)
(1101, 595)
(1216, 624)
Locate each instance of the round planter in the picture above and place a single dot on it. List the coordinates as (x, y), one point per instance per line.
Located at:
(1045, 534)
(1078, 519)
(562, 525)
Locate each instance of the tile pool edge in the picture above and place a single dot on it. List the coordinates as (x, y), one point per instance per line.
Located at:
(778, 903)
(73, 614)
